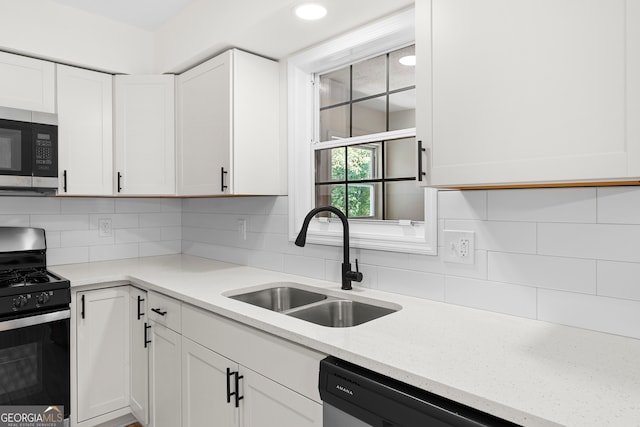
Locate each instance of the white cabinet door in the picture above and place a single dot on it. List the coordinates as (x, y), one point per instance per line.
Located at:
(85, 134)
(529, 91)
(139, 388)
(204, 128)
(165, 376)
(103, 351)
(206, 385)
(27, 83)
(269, 404)
(145, 135)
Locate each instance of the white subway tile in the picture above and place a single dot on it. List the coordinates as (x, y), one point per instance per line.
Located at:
(398, 260)
(619, 205)
(611, 315)
(160, 219)
(279, 243)
(138, 205)
(568, 274)
(267, 223)
(414, 283)
(53, 239)
(14, 220)
(304, 266)
(87, 205)
(594, 241)
(277, 206)
(201, 205)
(171, 205)
(84, 238)
(117, 220)
(160, 248)
(477, 270)
(243, 205)
(500, 236)
(202, 220)
(268, 260)
(29, 205)
(619, 279)
(462, 204)
(171, 233)
(504, 298)
(58, 256)
(60, 222)
(135, 235)
(106, 253)
(543, 205)
(220, 253)
(427, 263)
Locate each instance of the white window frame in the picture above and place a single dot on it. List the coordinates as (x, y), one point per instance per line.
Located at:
(368, 41)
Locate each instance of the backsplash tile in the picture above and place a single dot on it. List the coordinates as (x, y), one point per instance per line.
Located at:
(140, 227)
(561, 255)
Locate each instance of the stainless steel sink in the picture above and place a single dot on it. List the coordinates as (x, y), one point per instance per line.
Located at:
(280, 298)
(341, 313)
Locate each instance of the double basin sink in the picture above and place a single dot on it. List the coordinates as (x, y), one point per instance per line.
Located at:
(315, 306)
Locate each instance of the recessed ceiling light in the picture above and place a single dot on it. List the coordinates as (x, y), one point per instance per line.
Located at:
(409, 60)
(310, 11)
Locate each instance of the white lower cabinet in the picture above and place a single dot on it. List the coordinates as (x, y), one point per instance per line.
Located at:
(102, 326)
(139, 378)
(165, 376)
(206, 387)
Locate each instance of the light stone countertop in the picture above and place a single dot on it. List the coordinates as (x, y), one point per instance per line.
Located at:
(530, 372)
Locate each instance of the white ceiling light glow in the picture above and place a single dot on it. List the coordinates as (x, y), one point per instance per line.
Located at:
(409, 60)
(310, 11)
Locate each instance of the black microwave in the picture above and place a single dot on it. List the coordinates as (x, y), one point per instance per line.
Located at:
(28, 150)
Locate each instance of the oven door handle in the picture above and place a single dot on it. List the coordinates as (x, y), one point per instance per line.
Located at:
(34, 320)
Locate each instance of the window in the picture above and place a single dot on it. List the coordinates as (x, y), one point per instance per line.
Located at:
(373, 101)
(352, 141)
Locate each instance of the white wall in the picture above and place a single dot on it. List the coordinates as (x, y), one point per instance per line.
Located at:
(568, 256)
(49, 30)
(141, 227)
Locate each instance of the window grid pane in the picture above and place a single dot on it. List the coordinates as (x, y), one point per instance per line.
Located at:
(373, 96)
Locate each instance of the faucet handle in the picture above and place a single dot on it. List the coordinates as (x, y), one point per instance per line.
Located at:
(356, 276)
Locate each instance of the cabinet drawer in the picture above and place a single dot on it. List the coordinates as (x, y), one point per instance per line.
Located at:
(289, 364)
(165, 310)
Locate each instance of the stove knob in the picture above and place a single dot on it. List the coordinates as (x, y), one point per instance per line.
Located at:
(43, 298)
(19, 301)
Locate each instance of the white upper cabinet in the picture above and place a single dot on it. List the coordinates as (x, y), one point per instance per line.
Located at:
(228, 127)
(27, 83)
(528, 91)
(85, 132)
(145, 135)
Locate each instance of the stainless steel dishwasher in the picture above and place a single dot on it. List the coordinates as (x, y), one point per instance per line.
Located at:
(357, 397)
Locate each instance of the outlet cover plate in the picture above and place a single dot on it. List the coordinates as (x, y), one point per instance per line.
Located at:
(459, 246)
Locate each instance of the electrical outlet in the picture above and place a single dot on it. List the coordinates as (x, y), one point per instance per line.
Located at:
(459, 246)
(104, 227)
(242, 228)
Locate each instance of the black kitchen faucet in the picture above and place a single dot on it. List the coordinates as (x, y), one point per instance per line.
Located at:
(347, 275)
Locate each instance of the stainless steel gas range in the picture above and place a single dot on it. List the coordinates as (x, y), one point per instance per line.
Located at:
(34, 323)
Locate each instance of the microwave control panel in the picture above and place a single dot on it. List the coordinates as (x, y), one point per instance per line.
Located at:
(45, 156)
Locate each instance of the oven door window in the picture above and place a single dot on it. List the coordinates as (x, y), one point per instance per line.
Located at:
(34, 365)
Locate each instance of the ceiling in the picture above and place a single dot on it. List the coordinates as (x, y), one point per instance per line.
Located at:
(145, 14)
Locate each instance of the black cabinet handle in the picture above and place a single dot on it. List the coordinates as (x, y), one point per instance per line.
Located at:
(421, 150)
(160, 312)
(237, 392)
(237, 378)
(119, 179)
(140, 314)
(64, 181)
(146, 338)
(82, 308)
(222, 174)
(229, 394)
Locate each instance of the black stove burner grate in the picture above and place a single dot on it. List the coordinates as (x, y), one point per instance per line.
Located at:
(23, 277)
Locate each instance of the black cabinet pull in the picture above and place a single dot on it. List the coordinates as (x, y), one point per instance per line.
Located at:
(421, 150)
(64, 181)
(229, 394)
(82, 308)
(146, 337)
(160, 312)
(237, 392)
(140, 314)
(119, 179)
(222, 174)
